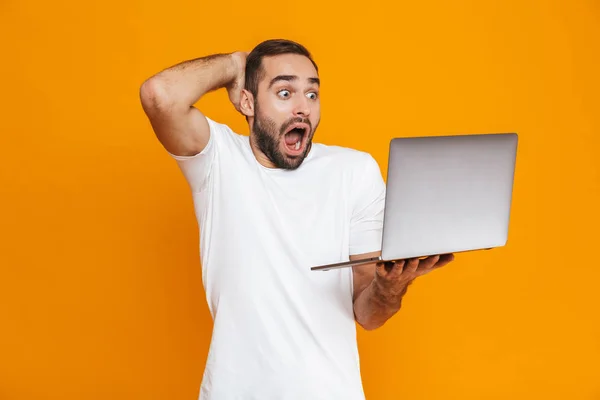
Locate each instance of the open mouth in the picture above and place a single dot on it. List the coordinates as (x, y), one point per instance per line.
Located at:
(295, 138)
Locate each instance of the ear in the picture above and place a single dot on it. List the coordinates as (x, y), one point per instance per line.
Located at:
(247, 103)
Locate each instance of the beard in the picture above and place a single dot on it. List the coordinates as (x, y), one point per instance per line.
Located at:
(268, 140)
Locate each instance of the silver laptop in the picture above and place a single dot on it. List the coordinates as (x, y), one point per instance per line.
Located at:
(445, 194)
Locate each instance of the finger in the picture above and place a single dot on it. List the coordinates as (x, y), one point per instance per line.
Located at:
(429, 262)
(382, 268)
(411, 265)
(397, 268)
(390, 267)
(445, 259)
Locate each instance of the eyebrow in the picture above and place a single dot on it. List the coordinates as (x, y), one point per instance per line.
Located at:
(290, 78)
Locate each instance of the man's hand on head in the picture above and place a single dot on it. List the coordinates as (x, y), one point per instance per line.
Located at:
(234, 89)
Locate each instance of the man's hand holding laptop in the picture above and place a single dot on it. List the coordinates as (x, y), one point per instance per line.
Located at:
(396, 276)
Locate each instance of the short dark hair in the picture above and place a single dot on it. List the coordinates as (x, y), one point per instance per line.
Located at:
(271, 47)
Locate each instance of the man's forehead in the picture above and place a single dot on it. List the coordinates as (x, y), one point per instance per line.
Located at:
(288, 64)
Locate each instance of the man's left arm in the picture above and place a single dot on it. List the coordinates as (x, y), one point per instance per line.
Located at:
(378, 287)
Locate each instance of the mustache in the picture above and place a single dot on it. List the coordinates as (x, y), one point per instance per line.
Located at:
(292, 121)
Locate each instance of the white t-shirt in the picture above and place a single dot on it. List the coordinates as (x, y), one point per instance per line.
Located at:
(282, 331)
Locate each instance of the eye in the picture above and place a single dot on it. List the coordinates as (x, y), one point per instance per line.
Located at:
(284, 93)
(312, 95)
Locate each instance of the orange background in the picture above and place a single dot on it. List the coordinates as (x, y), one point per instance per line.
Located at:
(100, 283)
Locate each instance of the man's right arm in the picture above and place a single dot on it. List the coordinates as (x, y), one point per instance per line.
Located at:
(168, 99)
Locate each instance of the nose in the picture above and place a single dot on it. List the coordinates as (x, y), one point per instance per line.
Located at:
(302, 108)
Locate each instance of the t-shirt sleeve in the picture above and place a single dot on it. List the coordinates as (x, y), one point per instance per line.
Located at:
(366, 223)
(197, 168)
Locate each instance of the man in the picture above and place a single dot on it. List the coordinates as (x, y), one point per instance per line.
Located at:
(269, 206)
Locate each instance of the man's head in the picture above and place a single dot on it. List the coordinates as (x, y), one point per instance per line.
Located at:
(281, 101)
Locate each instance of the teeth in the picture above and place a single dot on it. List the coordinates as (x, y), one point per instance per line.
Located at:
(298, 145)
